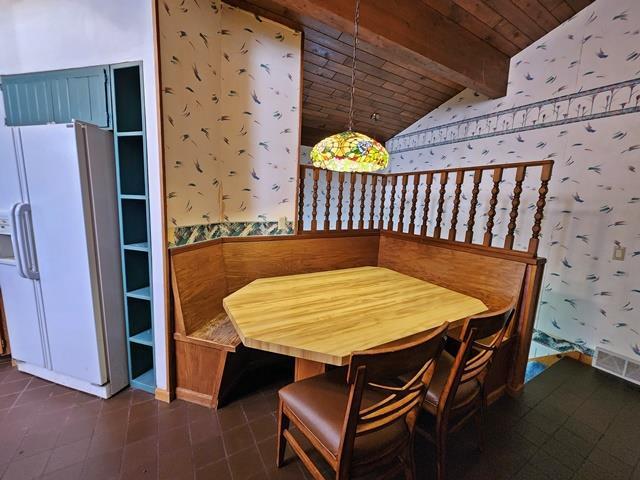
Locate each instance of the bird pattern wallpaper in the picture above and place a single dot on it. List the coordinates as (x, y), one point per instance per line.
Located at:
(573, 97)
(231, 119)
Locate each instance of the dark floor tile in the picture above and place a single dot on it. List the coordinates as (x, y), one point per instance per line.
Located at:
(27, 468)
(246, 464)
(67, 455)
(176, 464)
(143, 429)
(550, 466)
(218, 470)
(231, 416)
(104, 466)
(263, 427)
(237, 439)
(72, 472)
(175, 439)
(208, 451)
(612, 465)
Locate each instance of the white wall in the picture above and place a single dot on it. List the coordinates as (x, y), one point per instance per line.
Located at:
(40, 35)
(594, 195)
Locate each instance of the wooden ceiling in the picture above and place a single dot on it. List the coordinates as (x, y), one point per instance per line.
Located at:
(398, 88)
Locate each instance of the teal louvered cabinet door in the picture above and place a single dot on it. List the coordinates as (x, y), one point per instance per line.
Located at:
(59, 96)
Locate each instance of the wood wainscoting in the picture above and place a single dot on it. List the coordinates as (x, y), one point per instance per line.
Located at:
(203, 274)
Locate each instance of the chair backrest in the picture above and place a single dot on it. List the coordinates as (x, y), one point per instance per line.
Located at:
(481, 337)
(378, 370)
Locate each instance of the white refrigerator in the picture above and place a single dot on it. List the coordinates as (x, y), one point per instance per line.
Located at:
(60, 266)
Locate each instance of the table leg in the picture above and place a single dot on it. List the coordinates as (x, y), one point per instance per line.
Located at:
(308, 368)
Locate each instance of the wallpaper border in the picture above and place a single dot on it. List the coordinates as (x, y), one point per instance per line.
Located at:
(448, 133)
(199, 233)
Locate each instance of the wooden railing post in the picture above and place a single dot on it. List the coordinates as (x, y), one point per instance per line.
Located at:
(374, 185)
(515, 205)
(340, 189)
(382, 199)
(301, 175)
(456, 205)
(327, 203)
(497, 178)
(403, 199)
(477, 178)
(352, 193)
(363, 190)
(314, 203)
(444, 176)
(545, 175)
(392, 201)
(427, 199)
(414, 201)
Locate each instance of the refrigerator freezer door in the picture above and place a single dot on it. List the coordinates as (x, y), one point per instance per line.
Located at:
(21, 311)
(62, 240)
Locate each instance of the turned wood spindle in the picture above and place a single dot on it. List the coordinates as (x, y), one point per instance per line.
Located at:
(340, 190)
(515, 205)
(497, 178)
(352, 193)
(314, 202)
(456, 205)
(382, 198)
(302, 174)
(363, 189)
(444, 176)
(374, 186)
(327, 203)
(392, 201)
(414, 201)
(545, 175)
(403, 200)
(477, 178)
(427, 199)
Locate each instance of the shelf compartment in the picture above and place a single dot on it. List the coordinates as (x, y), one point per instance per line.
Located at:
(128, 99)
(136, 268)
(142, 373)
(138, 313)
(143, 338)
(134, 221)
(145, 381)
(131, 162)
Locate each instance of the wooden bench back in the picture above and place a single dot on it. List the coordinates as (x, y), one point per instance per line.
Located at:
(198, 283)
(495, 281)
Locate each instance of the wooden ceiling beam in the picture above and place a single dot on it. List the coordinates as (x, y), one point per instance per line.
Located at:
(415, 33)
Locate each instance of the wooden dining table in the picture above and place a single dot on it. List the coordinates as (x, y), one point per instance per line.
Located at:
(322, 318)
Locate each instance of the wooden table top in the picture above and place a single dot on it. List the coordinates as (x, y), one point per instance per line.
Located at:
(326, 316)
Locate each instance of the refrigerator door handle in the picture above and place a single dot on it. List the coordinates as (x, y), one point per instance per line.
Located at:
(16, 242)
(23, 242)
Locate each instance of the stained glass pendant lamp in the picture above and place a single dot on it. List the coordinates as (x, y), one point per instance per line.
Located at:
(350, 151)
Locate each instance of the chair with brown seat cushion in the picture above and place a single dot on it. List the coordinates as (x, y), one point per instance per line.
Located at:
(456, 389)
(355, 418)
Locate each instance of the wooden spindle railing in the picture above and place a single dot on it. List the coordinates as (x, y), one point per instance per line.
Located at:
(327, 203)
(406, 204)
(403, 201)
(515, 205)
(444, 176)
(427, 199)
(340, 192)
(456, 205)
(374, 186)
(414, 201)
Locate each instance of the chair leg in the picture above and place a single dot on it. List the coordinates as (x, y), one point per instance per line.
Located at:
(480, 421)
(283, 424)
(441, 454)
(409, 463)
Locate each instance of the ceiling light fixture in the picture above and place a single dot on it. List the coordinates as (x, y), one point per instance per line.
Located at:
(350, 151)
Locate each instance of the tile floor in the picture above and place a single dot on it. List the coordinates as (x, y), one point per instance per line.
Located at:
(572, 422)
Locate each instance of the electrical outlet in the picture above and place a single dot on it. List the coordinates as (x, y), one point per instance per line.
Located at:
(282, 223)
(619, 252)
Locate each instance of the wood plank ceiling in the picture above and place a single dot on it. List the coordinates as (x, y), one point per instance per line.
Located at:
(400, 92)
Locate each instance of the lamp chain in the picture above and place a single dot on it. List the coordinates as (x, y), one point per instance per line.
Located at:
(356, 21)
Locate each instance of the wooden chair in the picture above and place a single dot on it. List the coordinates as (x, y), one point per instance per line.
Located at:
(456, 391)
(361, 425)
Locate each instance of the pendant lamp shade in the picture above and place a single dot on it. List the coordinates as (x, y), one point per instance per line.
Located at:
(349, 152)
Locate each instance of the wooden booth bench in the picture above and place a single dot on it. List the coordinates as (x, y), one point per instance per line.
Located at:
(209, 356)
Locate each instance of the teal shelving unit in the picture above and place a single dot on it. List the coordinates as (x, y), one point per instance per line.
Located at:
(131, 167)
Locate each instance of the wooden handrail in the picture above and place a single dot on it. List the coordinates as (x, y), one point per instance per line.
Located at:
(397, 196)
